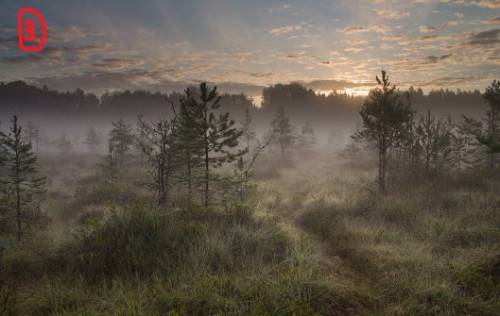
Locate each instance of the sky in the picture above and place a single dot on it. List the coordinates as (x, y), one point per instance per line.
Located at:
(244, 45)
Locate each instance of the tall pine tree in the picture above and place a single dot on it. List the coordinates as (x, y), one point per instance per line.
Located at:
(189, 144)
(487, 132)
(21, 180)
(158, 145)
(306, 140)
(215, 132)
(281, 131)
(32, 135)
(384, 117)
(248, 131)
(121, 138)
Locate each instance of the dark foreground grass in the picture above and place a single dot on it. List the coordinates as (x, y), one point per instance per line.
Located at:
(317, 241)
(182, 261)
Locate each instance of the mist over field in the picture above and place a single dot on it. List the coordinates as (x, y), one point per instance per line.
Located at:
(251, 158)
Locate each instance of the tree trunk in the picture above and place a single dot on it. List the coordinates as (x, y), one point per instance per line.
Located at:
(241, 191)
(207, 176)
(491, 157)
(161, 184)
(18, 195)
(207, 167)
(190, 184)
(382, 162)
(382, 166)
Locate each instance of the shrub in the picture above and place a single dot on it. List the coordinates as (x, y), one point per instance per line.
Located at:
(135, 243)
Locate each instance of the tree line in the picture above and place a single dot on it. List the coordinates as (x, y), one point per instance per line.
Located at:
(26, 100)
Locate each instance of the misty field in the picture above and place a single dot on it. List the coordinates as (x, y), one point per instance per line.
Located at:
(197, 213)
(315, 238)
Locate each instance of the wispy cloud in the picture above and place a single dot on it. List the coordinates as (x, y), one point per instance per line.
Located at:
(391, 14)
(490, 4)
(437, 28)
(285, 29)
(364, 29)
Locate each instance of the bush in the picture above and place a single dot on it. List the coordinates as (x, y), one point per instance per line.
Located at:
(135, 243)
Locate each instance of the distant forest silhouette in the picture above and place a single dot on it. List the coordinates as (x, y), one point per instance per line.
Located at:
(301, 103)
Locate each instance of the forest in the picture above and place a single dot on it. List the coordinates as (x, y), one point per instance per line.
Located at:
(202, 203)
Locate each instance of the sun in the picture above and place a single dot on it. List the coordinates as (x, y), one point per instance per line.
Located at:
(356, 92)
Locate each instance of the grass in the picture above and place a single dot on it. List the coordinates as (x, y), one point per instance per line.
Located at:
(316, 239)
(412, 248)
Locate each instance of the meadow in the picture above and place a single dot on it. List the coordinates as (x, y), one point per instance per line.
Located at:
(313, 238)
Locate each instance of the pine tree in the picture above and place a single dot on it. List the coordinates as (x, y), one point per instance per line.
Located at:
(189, 144)
(92, 140)
(384, 117)
(281, 129)
(3, 157)
(217, 132)
(307, 139)
(247, 129)
(121, 138)
(487, 132)
(158, 145)
(4, 199)
(32, 135)
(21, 180)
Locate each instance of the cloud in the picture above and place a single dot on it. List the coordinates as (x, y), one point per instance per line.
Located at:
(490, 4)
(283, 7)
(56, 55)
(333, 84)
(362, 29)
(68, 34)
(99, 81)
(391, 14)
(354, 50)
(115, 63)
(356, 42)
(7, 43)
(440, 39)
(435, 60)
(485, 38)
(437, 28)
(495, 20)
(285, 29)
(444, 81)
(393, 37)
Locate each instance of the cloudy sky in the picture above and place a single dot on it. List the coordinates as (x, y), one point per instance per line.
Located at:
(244, 45)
